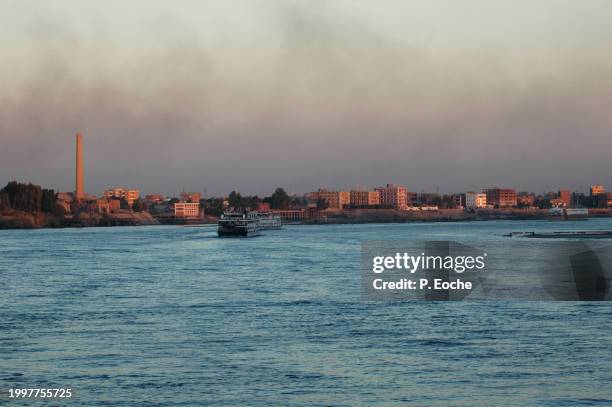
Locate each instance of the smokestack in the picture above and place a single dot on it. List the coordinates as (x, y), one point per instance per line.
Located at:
(79, 191)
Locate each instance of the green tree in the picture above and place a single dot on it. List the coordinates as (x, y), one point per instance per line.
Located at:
(234, 199)
(123, 203)
(48, 201)
(322, 204)
(24, 197)
(213, 206)
(5, 203)
(279, 199)
(138, 205)
(299, 201)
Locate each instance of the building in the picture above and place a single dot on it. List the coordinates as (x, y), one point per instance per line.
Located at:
(103, 205)
(264, 207)
(565, 197)
(186, 210)
(475, 200)
(393, 196)
(597, 189)
(64, 200)
(130, 195)
(191, 196)
(557, 203)
(501, 198)
(290, 214)
(334, 199)
(364, 198)
(458, 200)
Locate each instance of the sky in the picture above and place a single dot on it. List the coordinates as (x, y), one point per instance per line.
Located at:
(250, 95)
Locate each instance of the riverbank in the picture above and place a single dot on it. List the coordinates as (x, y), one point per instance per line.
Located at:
(442, 215)
(38, 220)
(23, 220)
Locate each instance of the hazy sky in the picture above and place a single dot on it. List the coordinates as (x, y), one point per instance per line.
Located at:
(254, 94)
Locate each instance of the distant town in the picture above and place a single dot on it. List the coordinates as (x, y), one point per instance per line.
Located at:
(26, 205)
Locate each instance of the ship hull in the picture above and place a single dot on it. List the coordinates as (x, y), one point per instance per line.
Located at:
(238, 229)
(237, 232)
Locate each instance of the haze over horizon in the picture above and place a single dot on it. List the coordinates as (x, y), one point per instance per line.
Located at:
(251, 95)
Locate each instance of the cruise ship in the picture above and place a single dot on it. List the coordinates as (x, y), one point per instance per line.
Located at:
(238, 224)
(268, 220)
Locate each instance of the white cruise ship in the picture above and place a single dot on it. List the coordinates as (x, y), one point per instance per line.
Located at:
(238, 224)
(268, 220)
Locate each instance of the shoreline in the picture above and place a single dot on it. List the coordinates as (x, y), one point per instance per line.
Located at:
(41, 220)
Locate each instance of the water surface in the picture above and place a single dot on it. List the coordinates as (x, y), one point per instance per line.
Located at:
(175, 316)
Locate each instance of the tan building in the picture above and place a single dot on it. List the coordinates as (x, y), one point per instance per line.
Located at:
(364, 198)
(187, 210)
(130, 195)
(334, 199)
(393, 196)
(502, 198)
(597, 189)
(344, 198)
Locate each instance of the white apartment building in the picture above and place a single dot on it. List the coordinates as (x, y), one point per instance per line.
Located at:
(187, 210)
(475, 200)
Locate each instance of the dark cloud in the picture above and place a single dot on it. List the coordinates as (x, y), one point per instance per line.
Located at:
(321, 96)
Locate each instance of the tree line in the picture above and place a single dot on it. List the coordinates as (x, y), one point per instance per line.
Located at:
(27, 198)
(278, 200)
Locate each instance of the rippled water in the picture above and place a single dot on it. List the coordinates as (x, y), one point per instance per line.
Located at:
(174, 315)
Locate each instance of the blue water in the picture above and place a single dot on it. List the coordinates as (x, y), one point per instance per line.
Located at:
(175, 316)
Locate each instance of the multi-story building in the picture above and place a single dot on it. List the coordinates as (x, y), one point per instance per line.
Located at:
(364, 198)
(187, 210)
(475, 200)
(334, 199)
(344, 197)
(565, 197)
(597, 189)
(393, 196)
(130, 195)
(501, 198)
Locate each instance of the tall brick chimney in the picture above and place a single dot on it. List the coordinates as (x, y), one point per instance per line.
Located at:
(79, 191)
